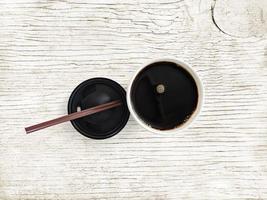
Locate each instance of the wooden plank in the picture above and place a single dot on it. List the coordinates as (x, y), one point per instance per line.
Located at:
(48, 47)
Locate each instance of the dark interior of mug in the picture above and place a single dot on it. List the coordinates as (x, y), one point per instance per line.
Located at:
(164, 95)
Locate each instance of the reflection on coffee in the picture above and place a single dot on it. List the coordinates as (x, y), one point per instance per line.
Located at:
(164, 95)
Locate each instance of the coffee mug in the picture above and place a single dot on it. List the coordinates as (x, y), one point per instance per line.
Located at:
(165, 95)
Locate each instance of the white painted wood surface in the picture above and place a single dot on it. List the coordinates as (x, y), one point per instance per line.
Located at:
(47, 47)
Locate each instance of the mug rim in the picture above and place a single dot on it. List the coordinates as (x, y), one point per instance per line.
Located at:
(192, 117)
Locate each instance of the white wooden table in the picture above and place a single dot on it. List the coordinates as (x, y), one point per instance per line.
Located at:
(47, 47)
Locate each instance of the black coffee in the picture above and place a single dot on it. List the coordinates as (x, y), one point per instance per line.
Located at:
(164, 95)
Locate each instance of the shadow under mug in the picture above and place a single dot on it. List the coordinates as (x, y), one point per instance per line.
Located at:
(158, 92)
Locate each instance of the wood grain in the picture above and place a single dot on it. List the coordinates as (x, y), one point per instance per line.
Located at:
(47, 47)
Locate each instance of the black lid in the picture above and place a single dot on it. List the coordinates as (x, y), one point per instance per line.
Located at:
(94, 92)
(170, 92)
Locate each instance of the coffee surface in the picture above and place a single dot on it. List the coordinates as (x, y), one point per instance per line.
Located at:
(164, 95)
